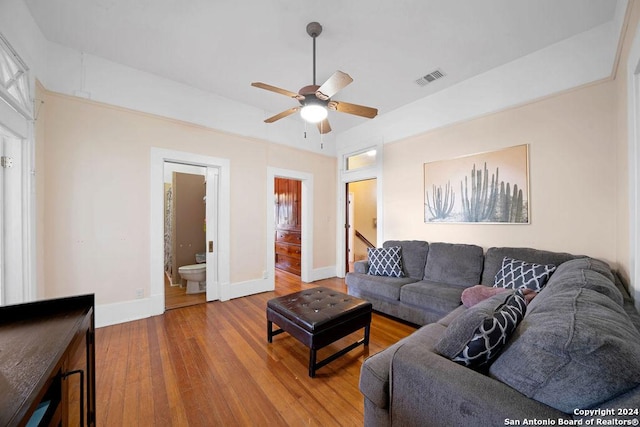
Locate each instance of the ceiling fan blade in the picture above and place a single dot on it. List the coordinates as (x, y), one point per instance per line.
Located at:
(337, 81)
(358, 110)
(324, 126)
(274, 89)
(282, 115)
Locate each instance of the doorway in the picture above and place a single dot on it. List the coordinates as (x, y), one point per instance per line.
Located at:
(184, 233)
(306, 221)
(288, 219)
(362, 222)
(217, 223)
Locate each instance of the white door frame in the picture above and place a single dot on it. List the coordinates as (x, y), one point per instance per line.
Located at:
(633, 126)
(306, 261)
(352, 229)
(211, 221)
(158, 157)
(18, 245)
(345, 177)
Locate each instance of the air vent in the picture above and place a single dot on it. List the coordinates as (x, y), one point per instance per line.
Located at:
(431, 77)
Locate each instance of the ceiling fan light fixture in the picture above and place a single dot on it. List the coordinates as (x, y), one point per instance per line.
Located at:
(313, 113)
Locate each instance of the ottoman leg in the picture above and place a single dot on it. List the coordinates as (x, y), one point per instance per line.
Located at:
(269, 331)
(312, 362)
(366, 334)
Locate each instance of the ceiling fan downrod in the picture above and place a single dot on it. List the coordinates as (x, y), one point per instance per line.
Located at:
(314, 29)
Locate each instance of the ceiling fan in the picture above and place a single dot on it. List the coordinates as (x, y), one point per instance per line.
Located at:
(316, 100)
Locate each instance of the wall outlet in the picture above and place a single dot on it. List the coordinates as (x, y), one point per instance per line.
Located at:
(139, 293)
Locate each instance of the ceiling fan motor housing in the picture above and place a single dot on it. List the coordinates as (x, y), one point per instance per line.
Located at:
(308, 96)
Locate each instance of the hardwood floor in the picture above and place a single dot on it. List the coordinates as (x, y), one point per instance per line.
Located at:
(210, 365)
(176, 297)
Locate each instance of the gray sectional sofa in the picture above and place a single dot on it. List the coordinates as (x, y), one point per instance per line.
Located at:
(574, 356)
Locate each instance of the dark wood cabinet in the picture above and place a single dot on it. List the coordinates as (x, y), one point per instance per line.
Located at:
(47, 363)
(288, 224)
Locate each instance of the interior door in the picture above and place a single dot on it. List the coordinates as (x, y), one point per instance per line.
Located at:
(212, 190)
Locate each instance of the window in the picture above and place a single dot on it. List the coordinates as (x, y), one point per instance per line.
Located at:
(360, 160)
(14, 81)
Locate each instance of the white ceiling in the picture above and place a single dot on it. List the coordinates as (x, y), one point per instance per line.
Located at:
(221, 46)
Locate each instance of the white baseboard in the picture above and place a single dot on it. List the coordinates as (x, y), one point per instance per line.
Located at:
(120, 312)
(323, 273)
(126, 311)
(250, 287)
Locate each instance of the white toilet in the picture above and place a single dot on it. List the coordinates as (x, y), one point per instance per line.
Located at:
(196, 277)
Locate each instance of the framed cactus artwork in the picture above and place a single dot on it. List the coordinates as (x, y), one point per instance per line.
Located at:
(488, 188)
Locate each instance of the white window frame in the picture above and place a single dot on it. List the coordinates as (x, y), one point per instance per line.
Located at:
(19, 80)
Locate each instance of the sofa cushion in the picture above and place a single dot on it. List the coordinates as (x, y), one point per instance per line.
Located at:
(439, 297)
(494, 256)
(380, 286)
(454, 264)
(585, 264)
(385, 261)
(475, 338)
(414, 256)
(584, 273)
(516, 274)
(575, 348)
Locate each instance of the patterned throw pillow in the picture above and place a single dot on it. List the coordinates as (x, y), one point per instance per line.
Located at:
(489, 332)
(516, 274)
(385, 261)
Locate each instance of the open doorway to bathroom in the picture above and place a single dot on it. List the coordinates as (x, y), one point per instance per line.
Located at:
(184, 234)
(361, 213)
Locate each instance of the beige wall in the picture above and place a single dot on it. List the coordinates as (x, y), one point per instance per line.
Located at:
(573, 175)
(95, 196)
(579, 174)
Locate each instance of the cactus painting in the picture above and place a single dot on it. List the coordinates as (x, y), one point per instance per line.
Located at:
(493, 188)
(441, 203)
(479, 201)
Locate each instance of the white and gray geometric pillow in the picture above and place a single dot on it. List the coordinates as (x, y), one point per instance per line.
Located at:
(517, 274)
(385, 261)
(493, 333)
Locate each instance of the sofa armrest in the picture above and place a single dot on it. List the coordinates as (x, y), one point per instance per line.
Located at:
(361, 266)
(428, 389)
(374, 373)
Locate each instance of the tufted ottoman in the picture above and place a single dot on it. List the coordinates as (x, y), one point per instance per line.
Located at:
(318, 317)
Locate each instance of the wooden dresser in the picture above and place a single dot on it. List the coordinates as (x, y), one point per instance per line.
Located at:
(288, 225)
(47, 363)
(288, 250)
